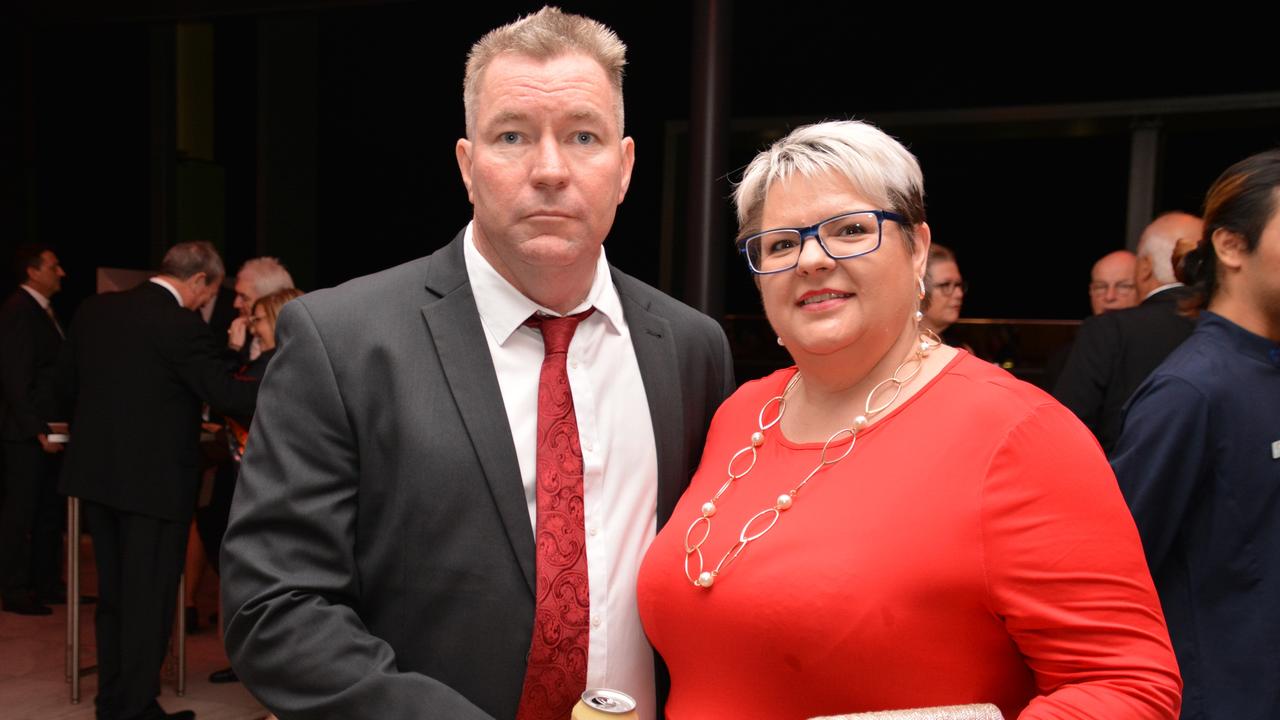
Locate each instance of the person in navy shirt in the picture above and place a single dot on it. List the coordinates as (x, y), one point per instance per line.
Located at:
(1198, 457)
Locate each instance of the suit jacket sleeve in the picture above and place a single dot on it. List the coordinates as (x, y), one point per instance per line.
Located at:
(18, 380)
(290, 582)
(1082, 386)
(194, 356)
(1160, 458)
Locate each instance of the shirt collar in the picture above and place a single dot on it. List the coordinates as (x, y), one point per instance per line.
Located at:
(503, 308)
(172, 290)
(37, 296)
(1162, 288)
(1241, 340)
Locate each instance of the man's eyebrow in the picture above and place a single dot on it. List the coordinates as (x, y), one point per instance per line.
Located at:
(507, 116)
(586, 114)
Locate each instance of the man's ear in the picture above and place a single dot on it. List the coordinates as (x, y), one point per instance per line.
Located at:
(1144, 269)
(1230, 248)
(463, 152)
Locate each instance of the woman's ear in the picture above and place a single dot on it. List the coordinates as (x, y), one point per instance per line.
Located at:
(920, 250)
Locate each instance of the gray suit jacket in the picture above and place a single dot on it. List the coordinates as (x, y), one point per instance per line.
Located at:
(380, 559)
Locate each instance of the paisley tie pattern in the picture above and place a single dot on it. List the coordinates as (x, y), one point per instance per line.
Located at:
(557, 670)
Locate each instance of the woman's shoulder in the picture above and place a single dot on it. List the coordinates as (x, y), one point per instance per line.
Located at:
(763, 388)
(979, 394)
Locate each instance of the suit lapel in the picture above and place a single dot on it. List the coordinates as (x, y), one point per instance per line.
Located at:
(458, 335)
(655, 348)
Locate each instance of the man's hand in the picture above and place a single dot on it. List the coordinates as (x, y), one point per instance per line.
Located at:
(238, 333)
(49, 447)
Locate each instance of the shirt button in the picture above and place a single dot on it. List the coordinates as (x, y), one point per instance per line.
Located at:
(595, 621)
(593, 531)
(573, 364)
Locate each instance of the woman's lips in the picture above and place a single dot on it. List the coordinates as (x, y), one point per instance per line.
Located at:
(822, 299)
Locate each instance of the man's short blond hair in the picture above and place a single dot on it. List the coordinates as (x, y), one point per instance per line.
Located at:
(544, 35)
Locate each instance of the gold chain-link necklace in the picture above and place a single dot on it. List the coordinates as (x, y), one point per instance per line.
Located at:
(763, 521)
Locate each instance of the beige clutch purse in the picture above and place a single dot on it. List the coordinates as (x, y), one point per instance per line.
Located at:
(985, 711)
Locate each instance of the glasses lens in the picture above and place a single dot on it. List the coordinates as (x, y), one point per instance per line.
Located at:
(850, 235)
(1121, 288)
(773, 251)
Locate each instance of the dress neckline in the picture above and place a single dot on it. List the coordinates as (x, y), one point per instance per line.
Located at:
(783, 440)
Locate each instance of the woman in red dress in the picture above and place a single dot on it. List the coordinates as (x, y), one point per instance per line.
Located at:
(892, 523)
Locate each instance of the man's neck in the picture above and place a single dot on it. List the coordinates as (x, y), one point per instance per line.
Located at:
(1247, 315)
(43, 298)
(1159, 288)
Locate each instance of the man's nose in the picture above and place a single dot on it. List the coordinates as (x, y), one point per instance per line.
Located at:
(549, 166)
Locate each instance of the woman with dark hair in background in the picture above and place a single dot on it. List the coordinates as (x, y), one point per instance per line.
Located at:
(1198, 457)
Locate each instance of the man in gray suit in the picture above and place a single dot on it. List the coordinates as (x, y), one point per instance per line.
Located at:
(381, 558)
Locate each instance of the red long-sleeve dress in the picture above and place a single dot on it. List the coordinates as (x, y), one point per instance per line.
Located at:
(973, 547)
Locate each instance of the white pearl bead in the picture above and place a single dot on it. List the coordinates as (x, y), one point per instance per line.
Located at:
(784, 501)
(859, 422)
(924, 346)
(919, 316)
(757, 439)
(708, 509)
(705, 579)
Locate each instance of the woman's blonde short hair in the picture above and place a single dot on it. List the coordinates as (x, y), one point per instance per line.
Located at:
(270, 304)
(878, 166)
(543, 35)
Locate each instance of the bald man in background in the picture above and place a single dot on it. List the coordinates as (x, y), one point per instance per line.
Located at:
(1113, 282)
(1116, 350)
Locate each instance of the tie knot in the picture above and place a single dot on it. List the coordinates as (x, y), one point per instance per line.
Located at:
(557, 331)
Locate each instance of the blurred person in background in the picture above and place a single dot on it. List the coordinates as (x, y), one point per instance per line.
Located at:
(1198, 458)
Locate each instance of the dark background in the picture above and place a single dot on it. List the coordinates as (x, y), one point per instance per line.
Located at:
(334, 124)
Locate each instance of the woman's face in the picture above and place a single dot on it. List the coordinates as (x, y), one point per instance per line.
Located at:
(944, 308)
(1261, 270)
(824, 306)
(262, 328)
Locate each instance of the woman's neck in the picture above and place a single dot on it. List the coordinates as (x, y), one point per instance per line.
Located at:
(833, 389)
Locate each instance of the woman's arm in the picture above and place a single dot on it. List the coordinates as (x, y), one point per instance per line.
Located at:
(1067, 575)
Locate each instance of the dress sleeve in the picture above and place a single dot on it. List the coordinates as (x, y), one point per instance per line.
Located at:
(1161, 457)
(1066, 575)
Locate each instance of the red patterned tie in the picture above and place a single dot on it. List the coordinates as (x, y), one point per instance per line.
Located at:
(557, 671)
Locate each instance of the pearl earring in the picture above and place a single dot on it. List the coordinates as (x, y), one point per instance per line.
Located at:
(780, 343)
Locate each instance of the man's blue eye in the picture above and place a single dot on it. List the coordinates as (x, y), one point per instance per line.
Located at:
(585, 138)
(510, 138)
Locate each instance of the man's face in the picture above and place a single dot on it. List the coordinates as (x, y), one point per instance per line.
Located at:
(546, 166)
(246, 295)
(1112, 283)
(46, 279)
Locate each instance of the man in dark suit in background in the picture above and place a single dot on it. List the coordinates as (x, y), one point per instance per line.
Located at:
(381, 557)
(139, 364)
(30, 533)
(1115, 351)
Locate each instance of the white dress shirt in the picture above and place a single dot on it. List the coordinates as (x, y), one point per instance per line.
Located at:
(619, 457)
(172, 290)
(38, 296)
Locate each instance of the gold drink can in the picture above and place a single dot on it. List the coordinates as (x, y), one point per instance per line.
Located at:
(605, 704)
